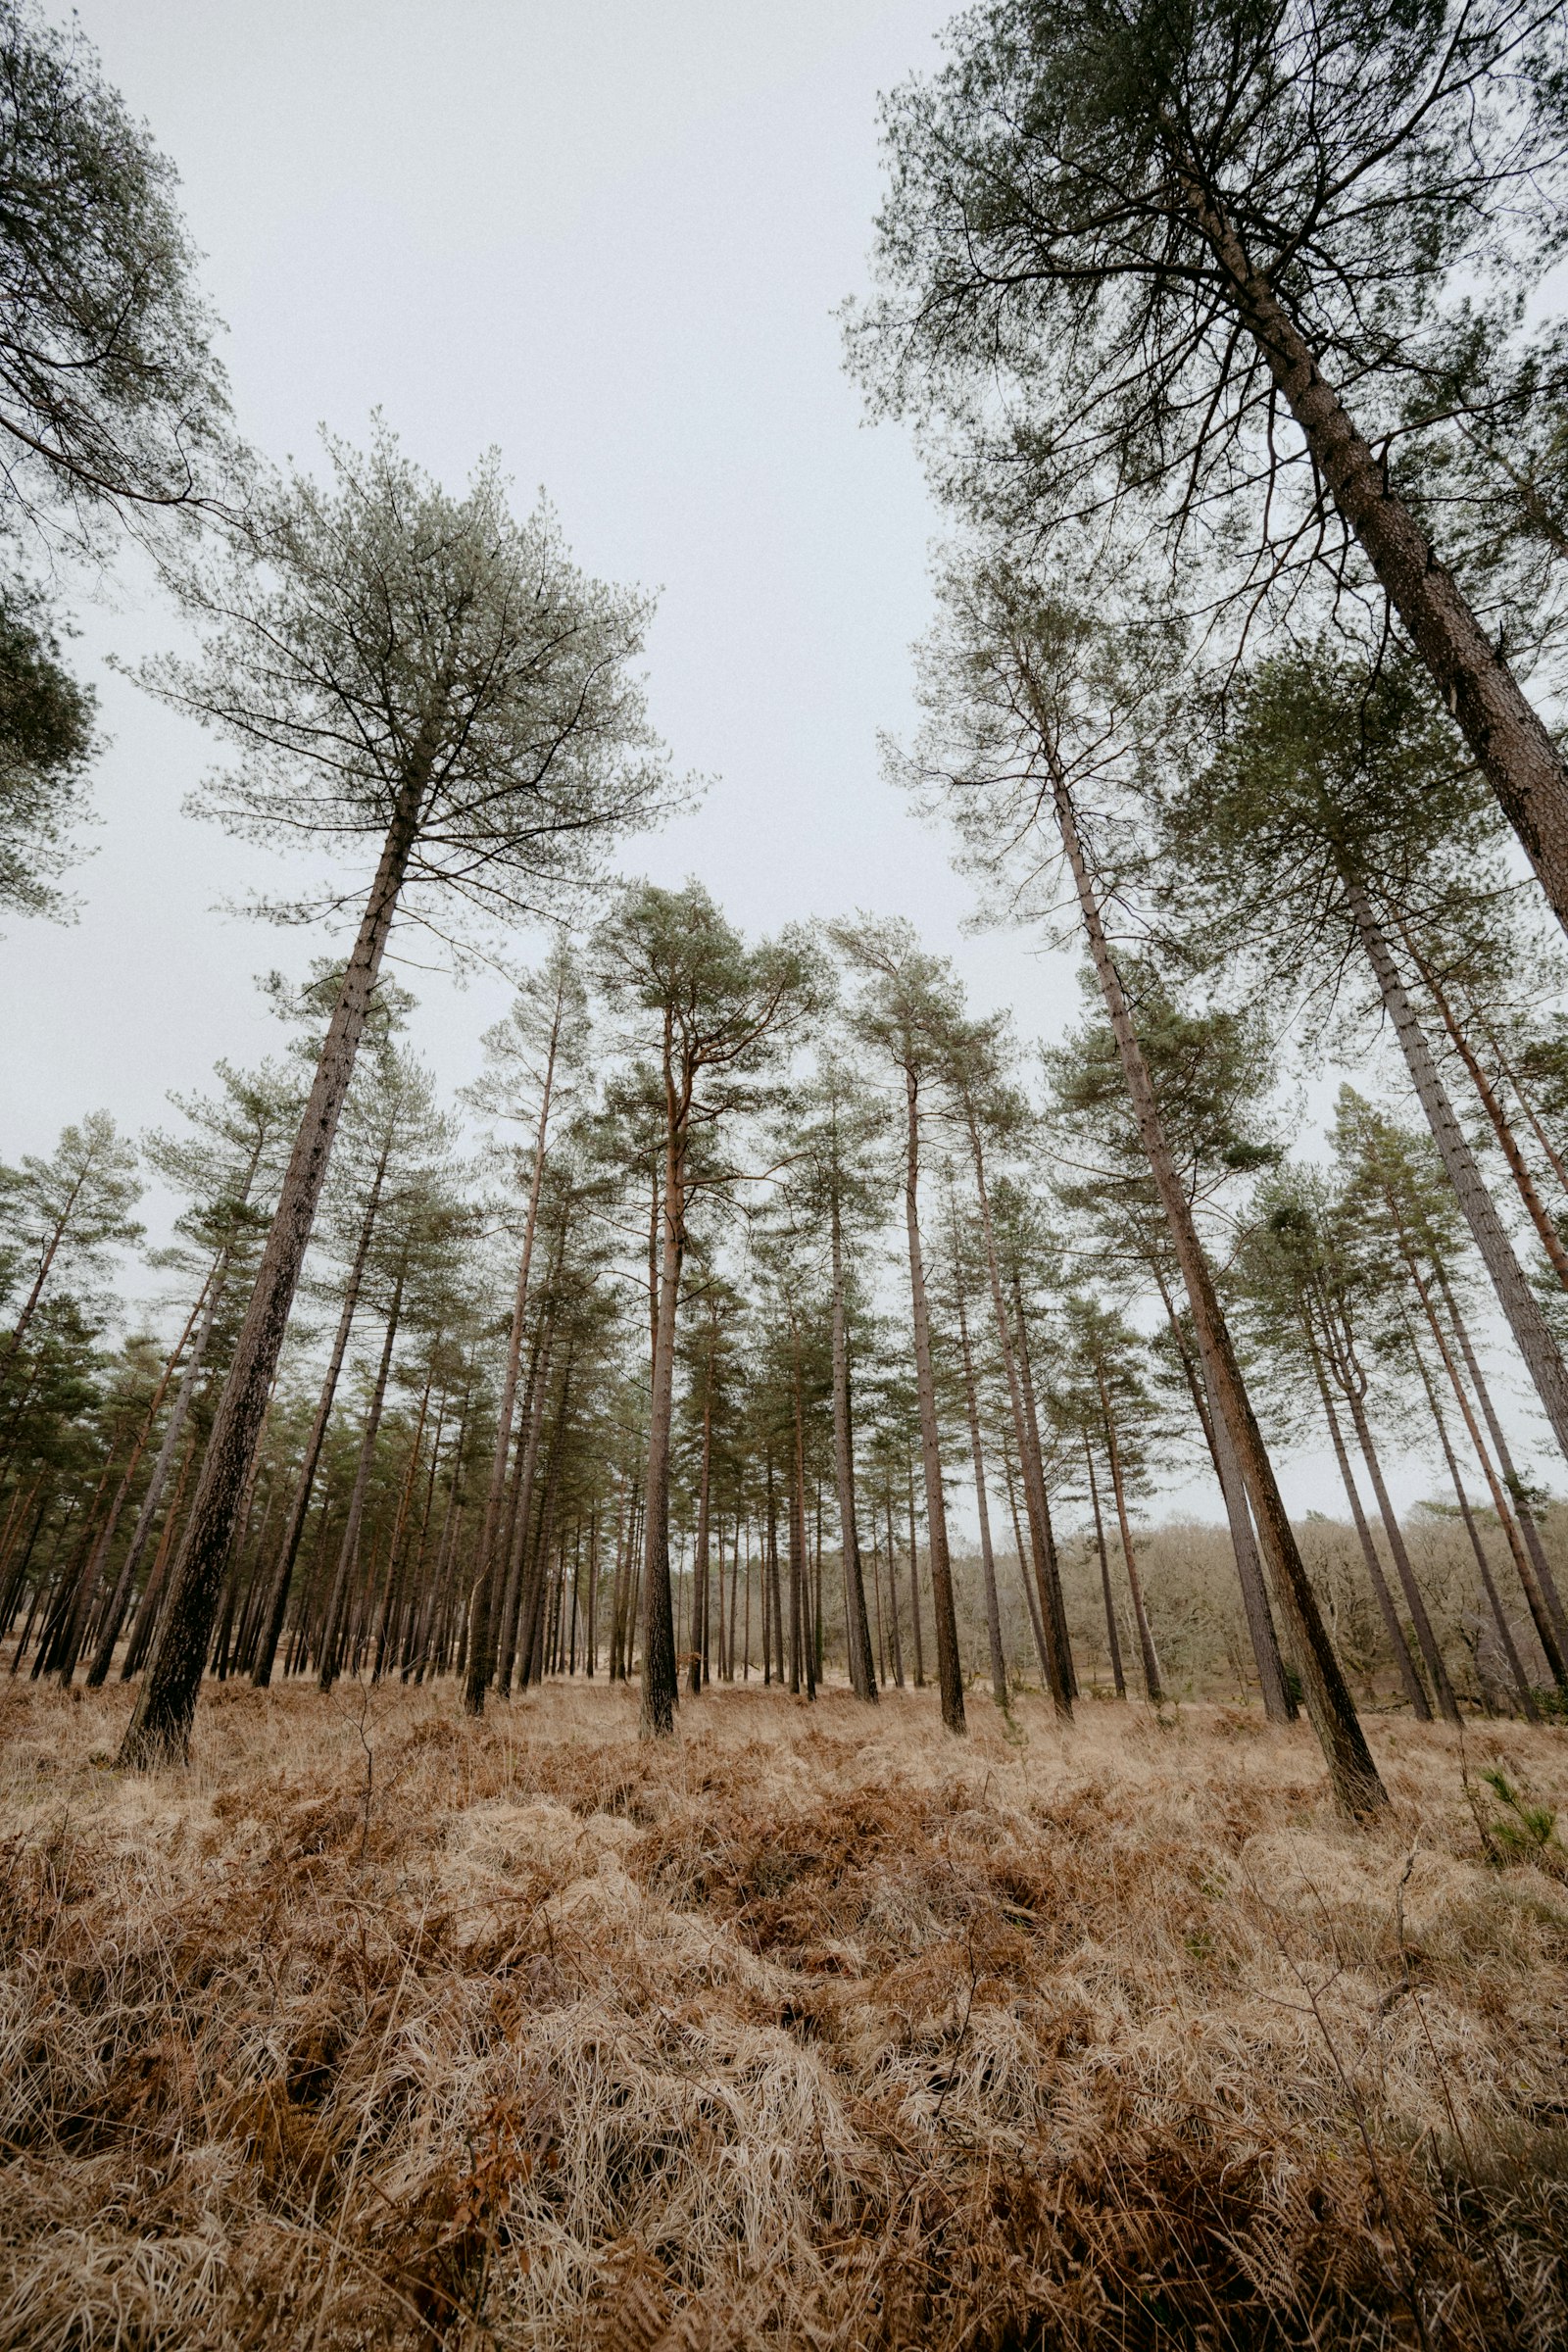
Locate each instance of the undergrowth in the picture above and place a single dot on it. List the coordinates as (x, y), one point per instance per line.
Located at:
(813, 2027)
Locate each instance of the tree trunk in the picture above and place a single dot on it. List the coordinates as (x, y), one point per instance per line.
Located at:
(895, 1645)
(166, 1706)
(392, 1598)
(700, 1612)
(1152, 1689)
(299, 1507)
(915, 1595)
(144, 1623)
(1518, 1302)
(488, 1563)
(126, 1582)
(1551, 1649)
(1057, 1668)
(1547, 1582)
(949, 1676)
(1506, 735)
(513, 1557)
(1113, 1636)
(803, 1651)
(1554, 1158)
(1522, 1689)
(1524, 1183)
(1426, 1639)
(30, 1302)
(1031, 1596)
(1279, 1704)
(858, 1631)
(349, 1550)
(1410, 1682)
(93, 1572)
(1354, 1777)
(1048, 1565)
(998, 1666)
(660, 1683)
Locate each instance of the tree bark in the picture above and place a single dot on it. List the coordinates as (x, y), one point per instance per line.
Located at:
(166, 1706)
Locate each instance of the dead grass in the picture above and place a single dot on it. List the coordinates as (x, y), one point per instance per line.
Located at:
(815, 2028)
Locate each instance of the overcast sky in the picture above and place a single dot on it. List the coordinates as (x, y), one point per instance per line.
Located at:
(608, 239)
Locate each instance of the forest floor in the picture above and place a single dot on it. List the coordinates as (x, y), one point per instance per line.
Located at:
(811, 2027)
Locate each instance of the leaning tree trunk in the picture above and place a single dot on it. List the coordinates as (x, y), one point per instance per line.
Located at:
(858, 1629)
(949, 1674)
(160, 1726)
(1518, 1302)
(1509, 739)
(1359, 1790)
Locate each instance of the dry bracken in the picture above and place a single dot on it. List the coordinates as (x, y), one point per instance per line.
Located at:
(812, 2027)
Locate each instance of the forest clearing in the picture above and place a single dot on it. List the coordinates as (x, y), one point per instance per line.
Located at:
(383, 2025)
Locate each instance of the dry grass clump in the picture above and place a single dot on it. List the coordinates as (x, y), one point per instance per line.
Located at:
(812, 2027)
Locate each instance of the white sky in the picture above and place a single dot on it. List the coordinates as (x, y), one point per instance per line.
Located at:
(607, 238)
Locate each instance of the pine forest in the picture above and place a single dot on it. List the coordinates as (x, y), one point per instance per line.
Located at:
(783, 1653)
